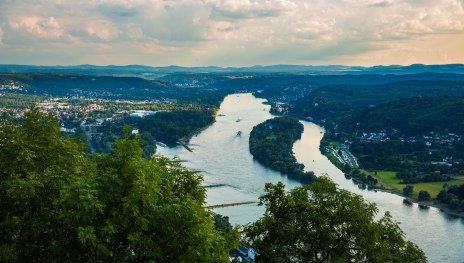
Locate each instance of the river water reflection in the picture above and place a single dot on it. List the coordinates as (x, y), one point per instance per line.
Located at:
(222, 156)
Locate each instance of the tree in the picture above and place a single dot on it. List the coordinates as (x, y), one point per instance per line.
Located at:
(424, 196)
(36, 162)
(408, 190)
(58, 204)
(319, 223)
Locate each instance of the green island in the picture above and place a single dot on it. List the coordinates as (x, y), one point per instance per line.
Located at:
(271, 144)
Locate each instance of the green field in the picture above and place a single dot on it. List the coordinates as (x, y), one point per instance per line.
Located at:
(389, 180)
(335, 144)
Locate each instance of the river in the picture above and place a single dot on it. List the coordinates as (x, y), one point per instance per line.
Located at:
(222, 156)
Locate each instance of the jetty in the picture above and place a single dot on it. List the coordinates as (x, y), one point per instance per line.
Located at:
(231, 204)
(185, 145)
(214, 185)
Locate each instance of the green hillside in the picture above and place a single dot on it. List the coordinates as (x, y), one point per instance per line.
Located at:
(334, 103)
(411, 116)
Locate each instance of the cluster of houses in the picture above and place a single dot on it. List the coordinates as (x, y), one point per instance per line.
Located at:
(12, 85)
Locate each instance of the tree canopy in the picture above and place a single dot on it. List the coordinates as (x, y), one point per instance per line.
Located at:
(320, 223)
(56, 203)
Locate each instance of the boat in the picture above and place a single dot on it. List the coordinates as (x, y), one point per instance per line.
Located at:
(407, 201)
(238, 120)
(422, 206)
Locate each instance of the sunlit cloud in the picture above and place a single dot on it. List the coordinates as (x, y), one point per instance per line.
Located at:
(231, 32)
(39, 27)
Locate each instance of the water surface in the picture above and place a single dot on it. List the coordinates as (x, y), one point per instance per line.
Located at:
(223, 157)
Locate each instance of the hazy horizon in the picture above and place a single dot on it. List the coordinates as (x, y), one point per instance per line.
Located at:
(231, 33)
(216, 66)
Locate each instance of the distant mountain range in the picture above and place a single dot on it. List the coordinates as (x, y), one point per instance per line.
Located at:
(156, 72)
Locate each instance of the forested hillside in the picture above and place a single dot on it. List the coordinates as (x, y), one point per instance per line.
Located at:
(104, 87)
(412, 116)
(334, 103)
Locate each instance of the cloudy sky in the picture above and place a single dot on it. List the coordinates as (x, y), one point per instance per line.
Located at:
(231, 32)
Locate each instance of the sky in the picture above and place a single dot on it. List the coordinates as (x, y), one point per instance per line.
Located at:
(231, 32)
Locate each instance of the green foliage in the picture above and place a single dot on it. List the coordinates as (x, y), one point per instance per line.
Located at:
(362, 177)
(230, 233)
(271, 143)
(222, 223)
(424, 196)
(35, 163)
(453, 196)
(169, 127)
(412, 116)
(412, 160)
(408, 190)
(319, 223)
(337, 102)
(57, 204)
(18, 101)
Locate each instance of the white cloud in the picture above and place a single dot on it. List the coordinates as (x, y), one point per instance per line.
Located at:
(245, 9)
(102, 29)
(231, 31)
(40, 27)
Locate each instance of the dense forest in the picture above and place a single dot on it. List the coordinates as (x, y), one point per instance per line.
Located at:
(271, 143)
(167, 127)
(412, 116)
(170, 127)
(335, 103)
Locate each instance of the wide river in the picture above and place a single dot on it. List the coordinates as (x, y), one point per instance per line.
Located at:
(223, 157)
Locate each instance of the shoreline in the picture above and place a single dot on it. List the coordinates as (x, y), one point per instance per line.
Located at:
(184, 141)
(440, 206)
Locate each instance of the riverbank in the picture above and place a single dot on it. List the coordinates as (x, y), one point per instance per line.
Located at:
(387, 186)
(440, 206)
(228, 161)
(184, 141)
